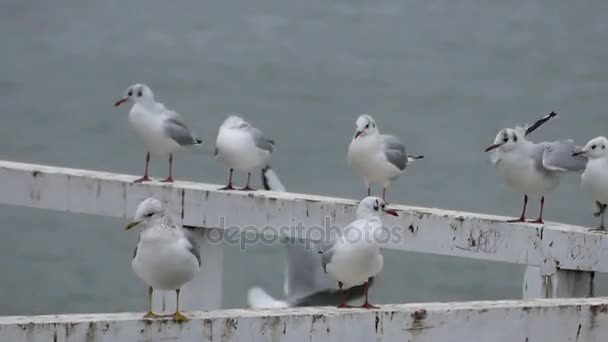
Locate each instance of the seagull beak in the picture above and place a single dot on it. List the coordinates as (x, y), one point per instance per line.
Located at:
(121, 101)
(357, 134)
(132, 224)
(492, 147)
(391, 212)
(579, 153)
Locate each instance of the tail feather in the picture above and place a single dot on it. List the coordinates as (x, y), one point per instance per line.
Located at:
(271, 181)
(260, 299)
(413, 158)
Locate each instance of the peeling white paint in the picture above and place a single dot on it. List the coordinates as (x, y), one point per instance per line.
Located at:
(533, 321)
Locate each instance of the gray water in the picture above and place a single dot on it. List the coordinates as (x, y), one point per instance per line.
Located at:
(443, 75)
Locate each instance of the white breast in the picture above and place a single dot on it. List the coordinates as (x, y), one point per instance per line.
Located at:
(238, 150)
(148, 126)
(366, 157)
(522, 175)
(162, 260)
(595, 180)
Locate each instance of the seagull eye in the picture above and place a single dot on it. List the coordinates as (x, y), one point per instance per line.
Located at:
(139, 94)
(603, 147)
(130, 93)
(515, 138)
(593, 147)
(149, 214)
(505, 139)
(367, 126)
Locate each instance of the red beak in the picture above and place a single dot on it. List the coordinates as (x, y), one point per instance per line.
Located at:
(391, 212)
(121, 101)
(493, 147)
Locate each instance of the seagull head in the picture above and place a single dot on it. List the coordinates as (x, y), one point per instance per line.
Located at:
(506, 140)
(596, 148)
(148, 212)
(365, 125)
(373, 206)
(136, 93)
(233, 121)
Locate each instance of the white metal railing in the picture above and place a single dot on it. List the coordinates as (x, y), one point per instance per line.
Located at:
(560, 258)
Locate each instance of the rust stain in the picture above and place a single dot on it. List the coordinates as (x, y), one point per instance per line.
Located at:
(418, 318)
(98, 190)
(230, 327)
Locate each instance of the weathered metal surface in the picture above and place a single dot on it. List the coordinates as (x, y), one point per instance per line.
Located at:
(558, 284)
(532, 321)
(418, 229)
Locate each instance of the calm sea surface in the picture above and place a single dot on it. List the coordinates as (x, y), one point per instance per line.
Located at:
(443, 75)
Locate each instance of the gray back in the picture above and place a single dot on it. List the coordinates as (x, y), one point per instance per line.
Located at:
(394, 151)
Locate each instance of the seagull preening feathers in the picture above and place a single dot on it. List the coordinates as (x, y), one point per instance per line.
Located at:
(242, 147)
(163, 131)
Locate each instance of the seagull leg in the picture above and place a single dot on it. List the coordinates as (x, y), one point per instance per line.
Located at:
(247, 187)
(342, 300)
(229, 186)
(177, 316)
(540, 216)
(170, 178)
(367, 305)
(601, 210)
(150, 314)
(145, 177)
(522, 218)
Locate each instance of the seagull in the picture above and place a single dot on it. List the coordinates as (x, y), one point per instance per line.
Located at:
(242, 147)
(354, 257)
(533, 168)
(163, 131)
(378, 158)
(595, 177)
(166, 256)
(305, 280)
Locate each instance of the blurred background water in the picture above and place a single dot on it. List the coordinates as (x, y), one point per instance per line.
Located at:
(443, 75)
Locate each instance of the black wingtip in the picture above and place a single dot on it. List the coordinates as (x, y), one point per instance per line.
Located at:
(198, 141)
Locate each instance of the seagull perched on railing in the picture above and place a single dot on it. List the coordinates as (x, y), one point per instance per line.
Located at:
(166, 256)
(243, 147)
(354, 257)
(378, 158)
(533, 168)
(595, 177)
(305, 281)
(163, 131)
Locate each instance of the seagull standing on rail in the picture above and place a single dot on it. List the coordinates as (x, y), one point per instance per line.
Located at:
(242, 147)
(354, 257)
(163, 131)
(378, 158)
(595, 177)
(166, 256)
(533, 168)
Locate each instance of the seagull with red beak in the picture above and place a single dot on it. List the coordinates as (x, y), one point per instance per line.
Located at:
(378, 158)
(354, 257)
(532, 168)
(163, 131)
(594, 179)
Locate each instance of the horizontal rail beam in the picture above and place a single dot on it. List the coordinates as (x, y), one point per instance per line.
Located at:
(418, 229)
(538, 320)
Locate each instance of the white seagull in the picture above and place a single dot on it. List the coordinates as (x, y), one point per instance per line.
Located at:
(242, 147)
(166, 256)
(595, 177)
(305, 281)
(163, 131)
(354, 257)
(532, 168)
(378, 158)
